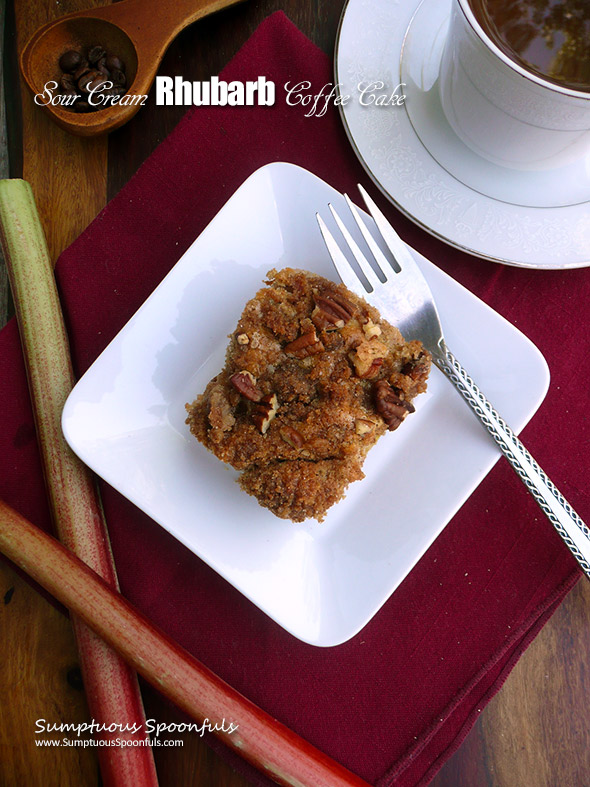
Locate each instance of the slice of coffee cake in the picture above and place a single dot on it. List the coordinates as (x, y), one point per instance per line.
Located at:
(313, 377)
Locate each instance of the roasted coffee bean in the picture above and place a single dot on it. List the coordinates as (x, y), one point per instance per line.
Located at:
(82, 69)
(101, 66)
(85, 81)
(82, 106)
(67, 83)
(118, 78)
(95, 53)
(113, 62)
(97, 83)
(70, 61)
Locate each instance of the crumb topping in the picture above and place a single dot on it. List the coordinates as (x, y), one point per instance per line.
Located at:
(313, 377)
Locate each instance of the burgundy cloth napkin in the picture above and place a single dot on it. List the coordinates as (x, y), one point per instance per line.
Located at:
(396, 700)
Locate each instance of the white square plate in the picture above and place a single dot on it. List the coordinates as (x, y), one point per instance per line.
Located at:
(322, 582)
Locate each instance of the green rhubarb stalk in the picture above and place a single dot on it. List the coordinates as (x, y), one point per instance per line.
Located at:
(111, 686)
(266, 743)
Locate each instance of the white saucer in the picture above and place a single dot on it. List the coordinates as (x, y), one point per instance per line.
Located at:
(529, 219)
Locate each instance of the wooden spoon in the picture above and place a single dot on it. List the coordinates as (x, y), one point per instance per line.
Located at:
(136, 31)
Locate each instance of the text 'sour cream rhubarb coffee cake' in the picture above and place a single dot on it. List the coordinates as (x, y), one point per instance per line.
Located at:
(313, 377)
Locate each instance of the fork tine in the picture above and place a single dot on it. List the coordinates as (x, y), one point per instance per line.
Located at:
(346, 273)
(381, 260)
(392, 240)
(362, 261)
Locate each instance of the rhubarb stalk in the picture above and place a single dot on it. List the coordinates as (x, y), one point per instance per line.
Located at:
(111, 686)
(266, 743)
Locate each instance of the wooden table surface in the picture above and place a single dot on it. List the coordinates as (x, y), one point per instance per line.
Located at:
(535, 733)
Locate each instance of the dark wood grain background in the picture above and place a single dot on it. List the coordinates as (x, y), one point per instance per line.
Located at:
(535, 733)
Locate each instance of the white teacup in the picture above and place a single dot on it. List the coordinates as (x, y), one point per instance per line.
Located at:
(503, 112)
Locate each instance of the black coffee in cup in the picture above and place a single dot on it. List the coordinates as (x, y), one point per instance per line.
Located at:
(550, 38)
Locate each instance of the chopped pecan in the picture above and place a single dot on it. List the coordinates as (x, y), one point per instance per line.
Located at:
(291, 436)
(245, 383)
(373, 370)
(264, 411)
(363, 425)
(417, 367)
(367, 357)
(370, 329)
(242, 338)
(390, 406)
(220, 412)
(306, 344)
(332, 311)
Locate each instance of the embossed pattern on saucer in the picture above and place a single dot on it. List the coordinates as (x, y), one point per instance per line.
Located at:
(369, 46)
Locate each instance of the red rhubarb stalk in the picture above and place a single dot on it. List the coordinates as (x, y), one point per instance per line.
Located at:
(266, 743)
(111, 686)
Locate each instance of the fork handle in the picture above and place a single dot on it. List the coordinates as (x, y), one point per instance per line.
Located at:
(559, 512)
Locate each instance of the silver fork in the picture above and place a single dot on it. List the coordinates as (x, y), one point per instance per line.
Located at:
(406, 295)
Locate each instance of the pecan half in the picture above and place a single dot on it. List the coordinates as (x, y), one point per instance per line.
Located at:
(291, 436)
(264, 411)
(332, 311)
(306, 344)
(390, 407)
(245, 383)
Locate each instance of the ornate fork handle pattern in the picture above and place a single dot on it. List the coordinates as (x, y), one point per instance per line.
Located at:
(560, 513)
